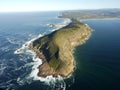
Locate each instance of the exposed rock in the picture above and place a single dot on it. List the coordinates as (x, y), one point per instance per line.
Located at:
(56, 49)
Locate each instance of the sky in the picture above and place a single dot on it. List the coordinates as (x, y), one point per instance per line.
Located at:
(53, 5)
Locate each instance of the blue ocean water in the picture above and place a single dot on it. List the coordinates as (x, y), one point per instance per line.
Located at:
(98, 60)
(15, 30)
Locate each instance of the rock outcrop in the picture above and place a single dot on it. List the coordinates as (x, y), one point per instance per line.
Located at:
(56, 49)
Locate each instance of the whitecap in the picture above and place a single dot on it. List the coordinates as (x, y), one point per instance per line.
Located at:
(25, 46)
(37, 61)
(25, 49)
(11, 41)
(2, 70)
(59, 25)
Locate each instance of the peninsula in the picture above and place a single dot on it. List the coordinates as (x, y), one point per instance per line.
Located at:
(56, 49)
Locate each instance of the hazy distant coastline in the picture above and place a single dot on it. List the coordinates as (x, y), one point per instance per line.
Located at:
(92, 14)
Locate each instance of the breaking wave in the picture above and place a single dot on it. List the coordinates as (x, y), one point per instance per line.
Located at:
(59, 25)
(36, 62)
(55, 83)
(18, 64)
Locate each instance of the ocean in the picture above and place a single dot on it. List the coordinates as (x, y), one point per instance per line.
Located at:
(98, 60)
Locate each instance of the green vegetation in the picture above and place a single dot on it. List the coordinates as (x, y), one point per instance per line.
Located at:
(91, 14)
(57, 48)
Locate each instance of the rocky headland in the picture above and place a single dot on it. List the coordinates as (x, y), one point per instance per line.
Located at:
(56, 49)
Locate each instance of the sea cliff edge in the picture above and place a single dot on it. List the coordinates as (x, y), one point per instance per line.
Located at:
(56, 49)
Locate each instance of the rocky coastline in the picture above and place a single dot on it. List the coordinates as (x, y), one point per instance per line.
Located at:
(56, 49)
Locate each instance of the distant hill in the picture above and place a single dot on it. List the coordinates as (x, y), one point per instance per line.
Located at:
(91, 14)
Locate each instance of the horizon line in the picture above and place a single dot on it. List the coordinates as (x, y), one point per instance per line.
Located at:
(55, 10)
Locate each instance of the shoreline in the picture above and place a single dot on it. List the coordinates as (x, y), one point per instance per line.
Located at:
(100, 19)
(35, 70)
(43, 72)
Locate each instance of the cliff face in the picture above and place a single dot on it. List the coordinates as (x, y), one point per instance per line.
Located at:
(56, 49)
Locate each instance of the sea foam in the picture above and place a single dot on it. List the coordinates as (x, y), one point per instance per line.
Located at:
(37, 61)
(25, 46)
(60, 25)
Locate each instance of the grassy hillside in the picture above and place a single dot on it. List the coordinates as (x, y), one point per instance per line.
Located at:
(57, 48)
